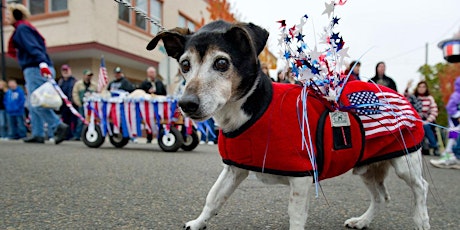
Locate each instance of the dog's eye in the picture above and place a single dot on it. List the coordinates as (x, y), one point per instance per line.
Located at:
(185, 66)
(221, 65)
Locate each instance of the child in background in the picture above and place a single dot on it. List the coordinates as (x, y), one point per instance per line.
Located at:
(14, 101)
(3, 121)
(448, 158)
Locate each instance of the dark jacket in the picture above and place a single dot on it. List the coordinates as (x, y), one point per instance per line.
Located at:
(121, 84)
(2, 94)
(31, 49)
(385, 81)
(159, 87)
(14, 102)
(67, 86)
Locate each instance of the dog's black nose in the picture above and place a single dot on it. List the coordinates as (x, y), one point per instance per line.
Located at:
(189, 104)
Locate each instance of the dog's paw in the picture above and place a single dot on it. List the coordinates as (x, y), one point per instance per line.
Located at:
(194, 225)
(356, 223)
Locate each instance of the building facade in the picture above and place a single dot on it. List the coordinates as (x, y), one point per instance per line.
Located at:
(80, 32)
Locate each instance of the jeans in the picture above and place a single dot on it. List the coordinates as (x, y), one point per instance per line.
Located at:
(79, 126)
(3, 122)
(429, 134)
(39, 115)
(16, 127)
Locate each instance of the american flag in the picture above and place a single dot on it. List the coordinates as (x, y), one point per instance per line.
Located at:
(103, 78)
(382, 113)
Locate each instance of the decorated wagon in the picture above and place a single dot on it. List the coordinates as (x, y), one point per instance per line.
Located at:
(122, 117)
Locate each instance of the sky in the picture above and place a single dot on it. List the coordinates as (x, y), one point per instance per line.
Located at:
(393, 31)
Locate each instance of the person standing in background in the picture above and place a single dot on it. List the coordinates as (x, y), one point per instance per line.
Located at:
(66, 83)
(120, 82)
(153, 85)
(14, 101)
(3, 121)
(451, 158)
(382, 79)
(426, 107)
(81, 89)
(27, 45)
(354, 75)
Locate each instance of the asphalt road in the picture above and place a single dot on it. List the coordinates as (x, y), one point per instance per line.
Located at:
(71, 186)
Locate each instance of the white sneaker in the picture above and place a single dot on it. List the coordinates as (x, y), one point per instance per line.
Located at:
(202, 142)
(51, 140)
(211, 143)
(448, 161)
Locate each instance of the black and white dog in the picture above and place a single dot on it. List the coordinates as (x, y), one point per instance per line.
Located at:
(224, 80)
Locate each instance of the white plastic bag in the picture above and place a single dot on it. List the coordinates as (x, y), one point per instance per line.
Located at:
(46, 96)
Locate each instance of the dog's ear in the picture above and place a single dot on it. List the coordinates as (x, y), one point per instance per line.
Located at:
(248, 37)
(173, 40)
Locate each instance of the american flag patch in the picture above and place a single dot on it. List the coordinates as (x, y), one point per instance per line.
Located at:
(382, 113)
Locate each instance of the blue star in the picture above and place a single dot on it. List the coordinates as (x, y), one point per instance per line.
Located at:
(299, 49)
(287, 54)
(314, 70)
(300, 37)
(287, 39)
(335, 36)
(335, 20)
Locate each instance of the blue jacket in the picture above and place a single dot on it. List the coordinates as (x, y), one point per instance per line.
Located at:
(30, 47)
(14, 102)
(67, 86)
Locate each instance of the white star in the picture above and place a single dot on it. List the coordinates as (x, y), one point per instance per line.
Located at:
(343, 53)
(315, 54)
(329, 9)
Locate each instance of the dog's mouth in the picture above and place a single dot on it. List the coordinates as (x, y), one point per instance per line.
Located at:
(198, 117)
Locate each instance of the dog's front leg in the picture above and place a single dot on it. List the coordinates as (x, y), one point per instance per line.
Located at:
(228, 181)
(298, 202)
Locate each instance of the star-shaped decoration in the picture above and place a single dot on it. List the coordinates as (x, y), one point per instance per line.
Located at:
(314, 70)
(303, 21)
(298, 63)
(287, 39)
(329, 8)
(343, 53)
(340, 45)
(335, 20)
(300, 37)
(315, 54)
(292, 31)
(299, 49)
(280, 53)
(280, 40)
(287, 54)
(282, 22)
(323, 39)
(335, 36)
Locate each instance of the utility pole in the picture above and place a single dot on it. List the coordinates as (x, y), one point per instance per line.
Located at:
(426, 53)
(3, 48)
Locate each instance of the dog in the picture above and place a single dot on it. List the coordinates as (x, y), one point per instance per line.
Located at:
(223, 80)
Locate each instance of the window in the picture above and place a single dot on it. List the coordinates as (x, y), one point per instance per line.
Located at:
(124, 12)
(58, 5)
(155, 14)
(186, 23)
(151, 8)
(46, 6)
(36, 7)
(42, 6)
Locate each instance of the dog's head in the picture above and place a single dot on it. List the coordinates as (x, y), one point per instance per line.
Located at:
(219, 63)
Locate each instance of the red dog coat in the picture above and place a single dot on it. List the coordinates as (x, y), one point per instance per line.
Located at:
(273, 144)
